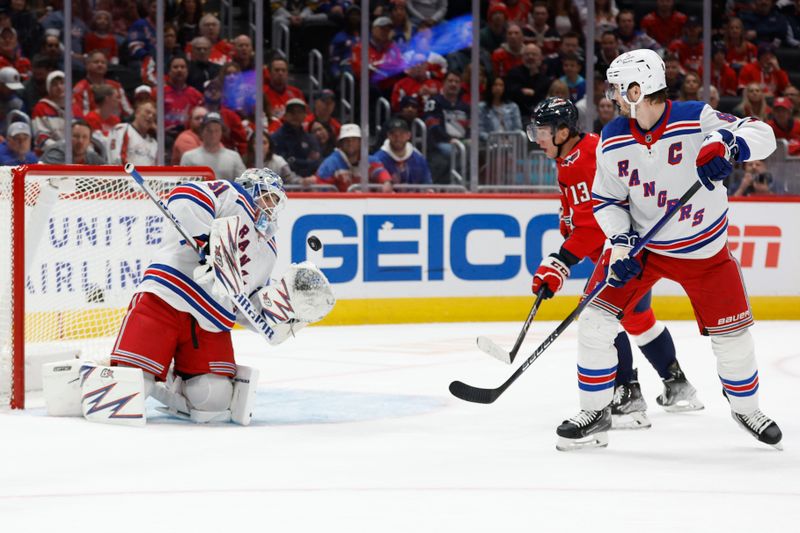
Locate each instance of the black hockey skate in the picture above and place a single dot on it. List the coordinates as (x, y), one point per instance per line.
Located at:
(587, 429)
(679, 395)
(761, 427)
(628, 407)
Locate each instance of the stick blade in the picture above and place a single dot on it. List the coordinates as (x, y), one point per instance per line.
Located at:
(468, 393)
(488, 346)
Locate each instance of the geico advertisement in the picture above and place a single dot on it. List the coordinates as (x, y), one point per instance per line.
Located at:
(376, 247)
(484, 246)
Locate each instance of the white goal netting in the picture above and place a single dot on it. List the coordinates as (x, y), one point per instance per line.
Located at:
(88, 233)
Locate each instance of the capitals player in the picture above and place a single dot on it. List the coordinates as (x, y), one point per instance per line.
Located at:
(177, 317)
(554, 128)
(646, 160)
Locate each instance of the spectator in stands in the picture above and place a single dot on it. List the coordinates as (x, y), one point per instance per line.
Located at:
(428, 10)
(189, 139)
(447, 119)
(221, 50)
(609, 50)
(82, 152)
(783, 124)
(105, 114)
(674, 77)
(179, 98)
(766, 25)
(100, 37)
(570, 45)
(188, 20)
(226, 164)
(466, 84)
(754, 180)
(792, 14)
(52, 49)
(340, 169)
(10, 100)
(509, 55)
(142, 34)
(144, 93)
(278, 89)
(629, 37)
(527, 83)
(605, 16)
(606, 111)
(722, 74)
(34, 87)
(564, 15)
(416, 83)
(582, 105)
(403, 162)
(739, 51)
(572, 77)
(278, 164)
(149, 73)
(539, 30)
(324, 106)
(243, 53)
(341, 48)
(691, 87)
(48, 113)
(409, 109)
(518, 10)
(201, 70)
(54, 20)
(665, 23)
(28, 28)
(385, 58)
(135, 142)
(713, 96)
(234, 134)
(497, 112)
(793, 94)
(558, 88)
(766, 72)
(82, 95)
(325, 137)
(16, 149)
(297, 12)
(10, 53)
(689, 48)
(401, 24)
(494, 34)
(299, 147)
(753, 103)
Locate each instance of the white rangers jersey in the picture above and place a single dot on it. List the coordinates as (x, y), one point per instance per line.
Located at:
(642, 174)
(170, 275)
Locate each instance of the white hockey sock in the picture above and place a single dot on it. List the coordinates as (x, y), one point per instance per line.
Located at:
(597, 358)
(737, 369)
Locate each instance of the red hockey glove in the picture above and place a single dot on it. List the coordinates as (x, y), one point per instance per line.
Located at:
(551, 275)
(713, 161)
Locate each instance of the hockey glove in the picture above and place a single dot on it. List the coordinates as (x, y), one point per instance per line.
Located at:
(565, 225)
(551, 275)
(622, 268)
(714, 160)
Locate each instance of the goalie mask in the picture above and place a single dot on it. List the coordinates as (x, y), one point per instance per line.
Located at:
(266, 189)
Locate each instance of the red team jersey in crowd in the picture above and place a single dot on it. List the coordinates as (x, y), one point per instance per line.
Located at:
(105, 43)
(773, 84)
(83, 97)
(690, 56)
(664, 30)
(408, 86)
(504, 60)
(178, 103)
(277, 100)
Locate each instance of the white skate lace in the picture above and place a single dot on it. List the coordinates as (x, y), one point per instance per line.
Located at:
(618, 394)
(584, 418)
(757, 421)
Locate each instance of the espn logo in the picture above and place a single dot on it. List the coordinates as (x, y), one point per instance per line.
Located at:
(744, 240)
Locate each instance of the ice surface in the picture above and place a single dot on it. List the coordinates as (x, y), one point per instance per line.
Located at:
(355, 431)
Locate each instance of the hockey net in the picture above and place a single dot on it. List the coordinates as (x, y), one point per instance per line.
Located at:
(76, 242)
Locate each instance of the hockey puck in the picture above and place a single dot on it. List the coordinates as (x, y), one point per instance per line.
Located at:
(314, 243)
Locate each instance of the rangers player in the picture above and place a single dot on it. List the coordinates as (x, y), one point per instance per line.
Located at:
(646, 159)
(554, 128)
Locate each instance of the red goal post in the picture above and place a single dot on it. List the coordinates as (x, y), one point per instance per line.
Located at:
(77, 238)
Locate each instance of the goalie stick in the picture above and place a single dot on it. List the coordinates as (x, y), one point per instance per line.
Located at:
(469, 393)
(239, 299)
(488, 346)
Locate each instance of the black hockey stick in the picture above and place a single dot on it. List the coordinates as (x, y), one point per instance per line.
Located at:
(488, 346)
(478, 395)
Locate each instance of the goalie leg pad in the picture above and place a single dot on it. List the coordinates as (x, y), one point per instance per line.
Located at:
(209, 398)
(62, 387)
(245, 385)
(112, 395)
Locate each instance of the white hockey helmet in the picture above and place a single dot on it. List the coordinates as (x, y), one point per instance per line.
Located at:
(266, 189)
(643, 67)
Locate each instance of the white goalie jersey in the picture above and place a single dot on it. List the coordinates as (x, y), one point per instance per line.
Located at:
(170, 274)
(642, 174)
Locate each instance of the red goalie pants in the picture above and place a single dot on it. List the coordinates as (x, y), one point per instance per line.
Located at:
(714, 287)
(153, 334)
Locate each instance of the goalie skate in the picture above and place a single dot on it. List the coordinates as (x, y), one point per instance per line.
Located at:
(587, 429)
(761, 427)
(679, 395)
(628, 407)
